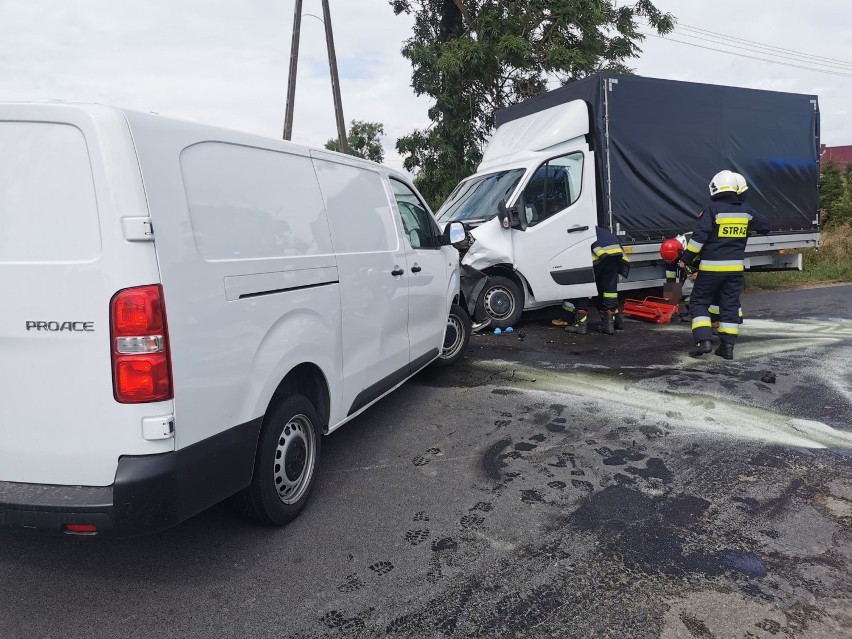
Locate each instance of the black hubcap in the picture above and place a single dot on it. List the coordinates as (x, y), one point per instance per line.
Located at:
(499, 302)
(294, 461)
(450, 336)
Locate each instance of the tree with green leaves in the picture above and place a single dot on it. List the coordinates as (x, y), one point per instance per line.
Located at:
(364, 140)
(831, 191)
(843, 210)
(473, 57)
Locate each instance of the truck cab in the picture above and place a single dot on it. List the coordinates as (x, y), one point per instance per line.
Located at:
(541, 170)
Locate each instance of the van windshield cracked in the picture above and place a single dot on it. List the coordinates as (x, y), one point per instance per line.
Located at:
(478, 197)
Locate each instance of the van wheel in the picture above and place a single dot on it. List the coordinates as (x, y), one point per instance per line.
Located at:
(286, 462)
(456, 337)
(501, 300)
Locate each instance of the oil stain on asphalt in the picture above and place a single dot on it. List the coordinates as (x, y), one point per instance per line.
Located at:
(628, 505)
(666, 524)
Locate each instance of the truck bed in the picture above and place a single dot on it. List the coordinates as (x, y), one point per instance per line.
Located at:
(659, 142)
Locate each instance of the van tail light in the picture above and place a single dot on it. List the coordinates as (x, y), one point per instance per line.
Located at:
(141, 366)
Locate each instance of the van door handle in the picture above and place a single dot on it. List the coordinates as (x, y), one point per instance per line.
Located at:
(416, 268)
(397, 271)
(577, 229)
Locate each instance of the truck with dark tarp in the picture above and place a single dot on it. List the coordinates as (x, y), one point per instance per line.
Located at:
(634, 155)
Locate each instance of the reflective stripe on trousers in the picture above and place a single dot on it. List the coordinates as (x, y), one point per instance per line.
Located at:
(701, 322)
(721, 266)
(728, 328)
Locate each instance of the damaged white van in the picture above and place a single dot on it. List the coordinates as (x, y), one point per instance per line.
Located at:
(187, 310)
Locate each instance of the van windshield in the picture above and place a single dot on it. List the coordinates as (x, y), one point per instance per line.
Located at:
(478, 197)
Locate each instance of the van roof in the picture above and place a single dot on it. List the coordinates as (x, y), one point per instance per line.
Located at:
(97, 110)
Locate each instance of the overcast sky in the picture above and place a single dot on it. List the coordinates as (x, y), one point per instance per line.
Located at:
(224, 62)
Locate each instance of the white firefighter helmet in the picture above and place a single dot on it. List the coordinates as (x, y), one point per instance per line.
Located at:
(742, 186)
(723, 182)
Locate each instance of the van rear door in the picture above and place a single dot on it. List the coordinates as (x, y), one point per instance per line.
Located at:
(62, 257)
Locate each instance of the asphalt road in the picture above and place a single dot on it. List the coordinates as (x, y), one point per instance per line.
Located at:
(550, 486)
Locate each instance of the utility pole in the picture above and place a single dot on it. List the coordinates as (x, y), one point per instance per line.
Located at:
(335, 81)
(291, 79)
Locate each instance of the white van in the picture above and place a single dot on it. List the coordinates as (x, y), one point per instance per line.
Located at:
(187, 310)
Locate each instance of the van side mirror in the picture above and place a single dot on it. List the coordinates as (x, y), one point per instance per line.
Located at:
(453, 234)
(510, 218)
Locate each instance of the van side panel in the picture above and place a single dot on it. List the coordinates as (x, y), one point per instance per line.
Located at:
(249, 278)
(374, 301)
(68, 175)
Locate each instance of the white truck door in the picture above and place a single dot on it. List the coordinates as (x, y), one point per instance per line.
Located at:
(374, 277)
(554, 252)
(427, 276)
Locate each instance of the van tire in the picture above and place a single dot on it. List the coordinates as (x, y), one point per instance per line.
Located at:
(290, 432)
(502, 300)
(458, 336)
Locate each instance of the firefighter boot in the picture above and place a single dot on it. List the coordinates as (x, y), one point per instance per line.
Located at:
(581, 326)
(619, 321)
(701, 348)
(566, 319)
(607, 326)
(567, 315)
(725, 351)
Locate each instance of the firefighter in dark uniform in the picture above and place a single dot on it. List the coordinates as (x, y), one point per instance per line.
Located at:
(742, 187)
(719, 240)
(609, 261)
(671, 251)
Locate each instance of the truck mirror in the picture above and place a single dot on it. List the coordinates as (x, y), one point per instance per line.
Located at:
(519, 219)
(510, 218)
(503, 215)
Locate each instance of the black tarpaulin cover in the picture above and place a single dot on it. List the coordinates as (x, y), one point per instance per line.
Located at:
(667, 139)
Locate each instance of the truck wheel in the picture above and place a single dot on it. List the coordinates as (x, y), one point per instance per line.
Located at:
(456, 338)
(502, 301)
(285, 466)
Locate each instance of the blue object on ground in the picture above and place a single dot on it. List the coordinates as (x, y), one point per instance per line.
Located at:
(510, 330)
(497, 331)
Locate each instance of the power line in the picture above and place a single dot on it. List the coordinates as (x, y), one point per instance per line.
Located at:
(751, 57)
(847, 67)
(761, 45)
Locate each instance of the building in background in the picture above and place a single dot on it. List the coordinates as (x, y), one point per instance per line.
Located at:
(840, 155)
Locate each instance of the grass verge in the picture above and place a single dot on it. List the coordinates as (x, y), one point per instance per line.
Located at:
(830, 264)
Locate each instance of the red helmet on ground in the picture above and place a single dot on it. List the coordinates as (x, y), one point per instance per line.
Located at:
(670, 250)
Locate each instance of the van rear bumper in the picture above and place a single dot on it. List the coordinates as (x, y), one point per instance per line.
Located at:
(150, 492)
(42, 508)
(142, 500)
